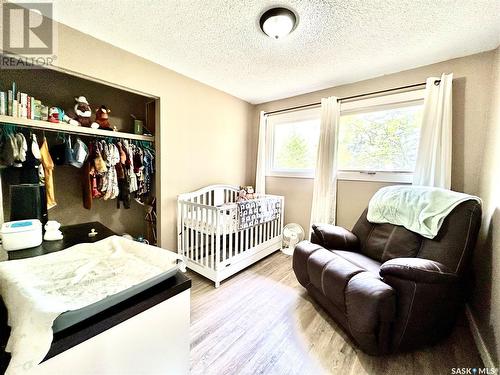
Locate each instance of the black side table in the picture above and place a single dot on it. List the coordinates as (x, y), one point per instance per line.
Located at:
(73, 235)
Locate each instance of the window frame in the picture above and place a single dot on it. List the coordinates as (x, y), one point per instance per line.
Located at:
(313, 112)
(346, 107)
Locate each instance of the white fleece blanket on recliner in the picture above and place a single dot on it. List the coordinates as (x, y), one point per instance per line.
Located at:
(421, 209)
(37, 290)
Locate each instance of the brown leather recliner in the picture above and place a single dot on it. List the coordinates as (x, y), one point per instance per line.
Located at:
(389, 288)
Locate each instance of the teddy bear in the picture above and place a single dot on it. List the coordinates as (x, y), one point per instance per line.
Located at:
(83, 113)
(242, 195)
(250, 192)
(246, 193)
(102, 118)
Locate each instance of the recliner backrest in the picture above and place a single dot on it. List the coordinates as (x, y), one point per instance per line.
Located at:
(451, 247)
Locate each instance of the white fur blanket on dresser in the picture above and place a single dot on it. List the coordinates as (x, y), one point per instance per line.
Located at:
(37, 290)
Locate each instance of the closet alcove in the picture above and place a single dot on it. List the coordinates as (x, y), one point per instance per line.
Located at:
(58, 88)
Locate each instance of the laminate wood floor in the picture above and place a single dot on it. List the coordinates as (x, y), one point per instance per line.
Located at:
(261, 321)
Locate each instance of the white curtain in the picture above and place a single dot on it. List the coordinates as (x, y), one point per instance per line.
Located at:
(325, 182)
(260, 176)
(434, 152)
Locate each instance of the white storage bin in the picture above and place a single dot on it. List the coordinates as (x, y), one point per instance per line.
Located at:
(21, 234)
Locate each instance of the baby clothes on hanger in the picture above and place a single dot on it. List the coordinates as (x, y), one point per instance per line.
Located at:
(123, 174)
(111, 179)
(9, 149)
(31, 170)
(20, 149)
(48, 168)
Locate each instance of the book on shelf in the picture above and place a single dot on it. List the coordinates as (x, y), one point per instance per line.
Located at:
(10, 102)
(3, 103)
(32, 108)
(44, 113)
(38, 110)
(15, 108)
(24, 105)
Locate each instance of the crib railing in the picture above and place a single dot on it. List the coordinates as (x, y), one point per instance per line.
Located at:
(209, 235)
(195, 242)
(213, 195)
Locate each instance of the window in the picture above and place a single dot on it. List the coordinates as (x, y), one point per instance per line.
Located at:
(377, 141)
(378, 138)
(293, 143)
(383, 140)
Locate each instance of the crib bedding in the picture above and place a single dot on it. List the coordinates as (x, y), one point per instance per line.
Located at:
(236, 216)
(257, 211)
(71, 285)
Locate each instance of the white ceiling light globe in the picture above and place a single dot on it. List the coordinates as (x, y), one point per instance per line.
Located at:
(277, 22)
(278, 26)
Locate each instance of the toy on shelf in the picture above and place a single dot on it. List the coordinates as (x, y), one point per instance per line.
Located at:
(57, 115)
(83, 113)
(102, 118)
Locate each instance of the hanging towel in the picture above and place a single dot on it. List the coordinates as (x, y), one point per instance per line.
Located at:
(421, 209)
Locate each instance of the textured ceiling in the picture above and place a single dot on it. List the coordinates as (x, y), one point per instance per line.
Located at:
(218, 42)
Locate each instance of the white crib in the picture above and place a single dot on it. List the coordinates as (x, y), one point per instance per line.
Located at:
(209, 238)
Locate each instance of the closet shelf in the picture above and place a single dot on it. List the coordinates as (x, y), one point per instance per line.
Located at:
(65, 128)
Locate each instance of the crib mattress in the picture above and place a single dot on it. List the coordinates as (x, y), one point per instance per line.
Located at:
(71, 318)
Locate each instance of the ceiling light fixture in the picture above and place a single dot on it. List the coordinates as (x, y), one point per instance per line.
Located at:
(278, 22)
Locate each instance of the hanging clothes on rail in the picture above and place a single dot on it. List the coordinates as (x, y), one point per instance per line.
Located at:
(27, 163)
(115, 168)
(118, 169)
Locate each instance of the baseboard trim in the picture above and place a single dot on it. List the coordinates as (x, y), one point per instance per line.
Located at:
(478, 339)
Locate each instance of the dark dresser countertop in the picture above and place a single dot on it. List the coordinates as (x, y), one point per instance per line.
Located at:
(73, 235)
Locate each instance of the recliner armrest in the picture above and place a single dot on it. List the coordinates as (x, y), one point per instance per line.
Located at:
(418, 270)
(333, 237)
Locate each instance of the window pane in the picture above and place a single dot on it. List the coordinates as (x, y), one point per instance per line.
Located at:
(295, 145)
(382, 140)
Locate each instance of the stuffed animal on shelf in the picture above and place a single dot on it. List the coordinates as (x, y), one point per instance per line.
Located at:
(57, 115)
(83, 113)
(102, 118)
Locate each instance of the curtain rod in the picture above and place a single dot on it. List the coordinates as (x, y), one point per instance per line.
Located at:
(436, 82)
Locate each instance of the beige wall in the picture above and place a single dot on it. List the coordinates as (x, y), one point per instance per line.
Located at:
(471, 100)
(203, 132)
(486, 301)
